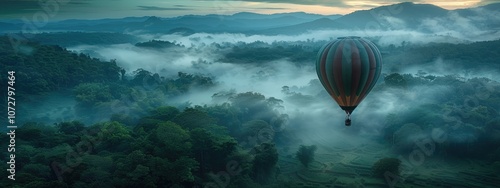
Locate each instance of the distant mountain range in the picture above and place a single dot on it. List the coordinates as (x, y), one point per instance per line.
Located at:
(392, 17)
(410, 16)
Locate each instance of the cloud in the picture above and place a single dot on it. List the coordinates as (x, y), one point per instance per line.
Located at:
(302, 2)
(269, 8)
(486, 2)
(27, 8)
(467, 28)
(395, 23)
(18, 7)
(162, 8)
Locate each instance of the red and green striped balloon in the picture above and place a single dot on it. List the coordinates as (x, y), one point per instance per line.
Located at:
(348, 68)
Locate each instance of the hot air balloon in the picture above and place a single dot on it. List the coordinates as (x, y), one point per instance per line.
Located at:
(348, 68)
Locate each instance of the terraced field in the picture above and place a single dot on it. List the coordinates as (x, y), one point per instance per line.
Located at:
(349, 165)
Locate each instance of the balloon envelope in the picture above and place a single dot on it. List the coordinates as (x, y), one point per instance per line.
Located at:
(348, 68)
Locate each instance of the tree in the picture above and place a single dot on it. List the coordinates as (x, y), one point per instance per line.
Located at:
(192, 118)
(114, 136)
(183, 168)
(256, 132)
(225, 115)
(131, 170)
(165, 113)
(305, 154)
(212, 150)
(93, 94)
(157, 116)
(169, 140)
(264, 162)
(145, 79)
(251, 106)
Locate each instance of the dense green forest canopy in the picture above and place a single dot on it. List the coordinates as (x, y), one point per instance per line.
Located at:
(142, 135)
(468, 56)
(158, 44)
(66, 39)
(483, 54)
(45, 68)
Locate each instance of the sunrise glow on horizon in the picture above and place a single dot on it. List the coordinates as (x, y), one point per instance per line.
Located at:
(84, 9)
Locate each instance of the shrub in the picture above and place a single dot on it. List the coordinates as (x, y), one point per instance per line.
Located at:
(386, 165)
(305, 154)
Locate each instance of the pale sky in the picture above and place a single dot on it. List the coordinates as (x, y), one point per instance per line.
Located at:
(95, 9)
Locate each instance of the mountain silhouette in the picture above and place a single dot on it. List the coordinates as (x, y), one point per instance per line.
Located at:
(392, 16)
(406, 16)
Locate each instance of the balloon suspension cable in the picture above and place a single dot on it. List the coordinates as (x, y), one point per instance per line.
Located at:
(348, 119)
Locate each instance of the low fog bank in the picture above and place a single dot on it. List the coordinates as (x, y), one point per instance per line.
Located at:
(312, 113)
(382, 37)
(443, 67)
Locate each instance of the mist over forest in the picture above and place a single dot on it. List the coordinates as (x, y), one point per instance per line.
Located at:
(172, 102)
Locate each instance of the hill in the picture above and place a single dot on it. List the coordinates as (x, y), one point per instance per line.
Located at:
(404, 16)
(45, 68)
(407, 15)
(487, 14)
